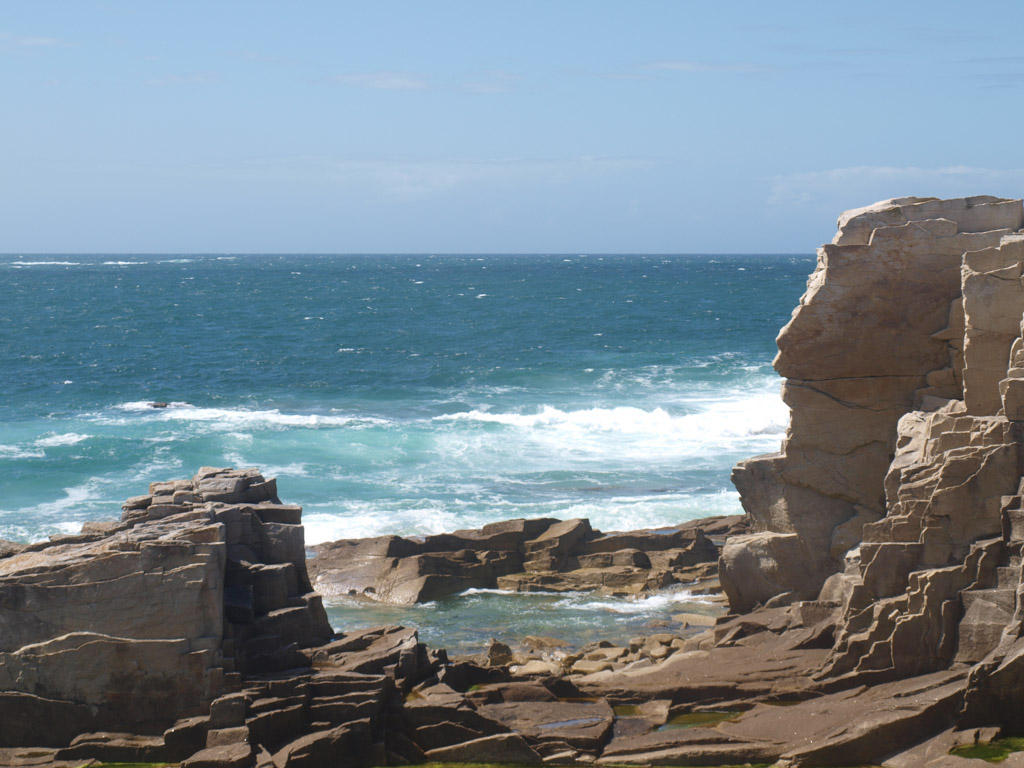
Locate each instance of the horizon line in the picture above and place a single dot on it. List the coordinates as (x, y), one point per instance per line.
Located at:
(427, 254)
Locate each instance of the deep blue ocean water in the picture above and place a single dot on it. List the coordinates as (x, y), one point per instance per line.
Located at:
(391, 394)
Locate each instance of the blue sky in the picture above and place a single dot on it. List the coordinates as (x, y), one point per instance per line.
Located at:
(490, 126)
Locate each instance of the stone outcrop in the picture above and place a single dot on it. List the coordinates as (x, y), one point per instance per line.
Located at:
(540, 555)
(880, 332)
(189, 632)
(133, 625)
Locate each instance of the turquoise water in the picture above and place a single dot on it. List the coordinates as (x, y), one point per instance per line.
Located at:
(465, 623)
(391, 394)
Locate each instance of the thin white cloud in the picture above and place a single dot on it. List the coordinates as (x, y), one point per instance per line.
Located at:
(195, 78)
(492, 82)
(9, 41)
(387, 81)
(704, 66)
(411, 179)
(865, 184)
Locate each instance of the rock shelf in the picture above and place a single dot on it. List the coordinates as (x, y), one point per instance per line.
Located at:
(539, 555)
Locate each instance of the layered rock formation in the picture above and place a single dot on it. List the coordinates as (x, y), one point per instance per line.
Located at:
(188, 632)
(542, 554)
(133, 625)
(895, 318)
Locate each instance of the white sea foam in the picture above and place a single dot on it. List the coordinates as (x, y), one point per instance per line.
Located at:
(52, 441)
(656, 603)
(716, 424)
(123, 263)
(233, 459)
(231, 419)
(18, 452)
(147, 405)
(295, 469)
(74, 496)
(355, 519)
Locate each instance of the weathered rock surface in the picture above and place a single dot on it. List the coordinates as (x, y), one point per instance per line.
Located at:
(877, 334)
(542, 555)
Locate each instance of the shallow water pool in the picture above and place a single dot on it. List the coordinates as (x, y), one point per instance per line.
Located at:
(466, 622)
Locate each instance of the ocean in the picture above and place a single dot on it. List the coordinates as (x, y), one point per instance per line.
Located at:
(405, 394)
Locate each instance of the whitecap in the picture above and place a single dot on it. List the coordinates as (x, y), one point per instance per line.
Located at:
(295, 469)
(754, 415)
(232, 418)
(660, 602)
(355, 519)
(52, 441)
(147, 405)
(73, 497)
(17, 452)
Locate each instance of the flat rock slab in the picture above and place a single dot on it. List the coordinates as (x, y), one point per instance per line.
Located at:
(685, 746)
(501, 748)
(862, 725)
(583, 726)
(767, 666)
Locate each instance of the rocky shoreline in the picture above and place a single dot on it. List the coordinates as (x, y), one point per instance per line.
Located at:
(874, 587)
(190, 632)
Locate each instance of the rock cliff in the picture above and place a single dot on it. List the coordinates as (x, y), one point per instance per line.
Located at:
(133, 625)
(894, 508)
(913, 307)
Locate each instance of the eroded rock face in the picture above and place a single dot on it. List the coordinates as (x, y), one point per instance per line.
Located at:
(901, 474)
(916, 301)
(131, 626)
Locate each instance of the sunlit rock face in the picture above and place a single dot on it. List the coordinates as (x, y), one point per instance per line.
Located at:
(913, 308)
(896, 500)
(133, 625)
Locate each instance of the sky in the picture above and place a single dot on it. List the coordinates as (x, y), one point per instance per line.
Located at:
(493, 126)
